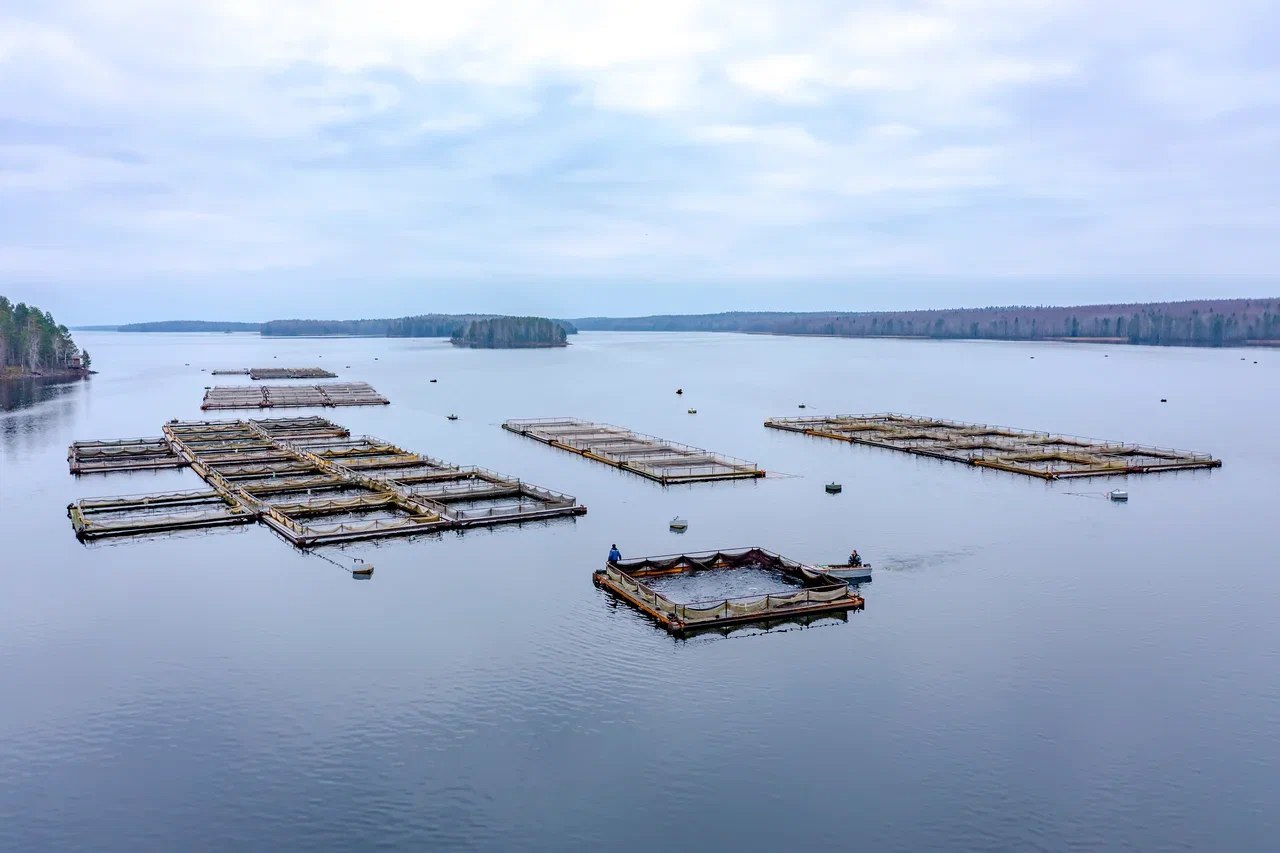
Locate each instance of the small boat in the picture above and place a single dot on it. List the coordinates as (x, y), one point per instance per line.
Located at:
(362, 572)
(435, 380)
(802, 405)
(693, 411)
(1118, 495)
(844, 571)
(679, 390)
(452, 417)
(834, 488)
(679, 525)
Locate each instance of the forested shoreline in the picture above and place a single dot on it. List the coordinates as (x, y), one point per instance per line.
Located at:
(1216, 322)
(32, 343)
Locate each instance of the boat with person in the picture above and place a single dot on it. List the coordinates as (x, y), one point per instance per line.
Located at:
(852, 569)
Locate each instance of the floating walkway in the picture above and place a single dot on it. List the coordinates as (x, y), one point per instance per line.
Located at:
(313, 483)
(279, 373)
(802, 590)
(660, 460)
(291, 396)
(1036, 454)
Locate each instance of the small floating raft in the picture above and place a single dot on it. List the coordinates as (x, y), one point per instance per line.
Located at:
(452, 417)
(362, 572)
(679, 525)
(834, 488)
(1118, 495)
(693, 411)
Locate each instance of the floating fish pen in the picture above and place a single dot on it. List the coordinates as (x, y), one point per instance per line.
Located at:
(1037, 454)
(291, 396)
(279, 373)
(132, 515)
(660, 460)
(314, 483)
(801, 590)
(126, 454)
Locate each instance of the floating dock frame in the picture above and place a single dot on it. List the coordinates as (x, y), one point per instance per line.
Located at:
(1045, 455)
(313, 483)
(813, 592)
(126, 454)
(291, 396)
(660, 460)
(279, 373)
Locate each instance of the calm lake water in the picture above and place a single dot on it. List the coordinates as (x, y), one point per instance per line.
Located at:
(1036, 667)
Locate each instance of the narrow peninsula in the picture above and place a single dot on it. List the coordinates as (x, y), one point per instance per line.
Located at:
(511, 333)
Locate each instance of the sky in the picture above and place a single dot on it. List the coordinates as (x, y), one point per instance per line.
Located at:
(241, 160)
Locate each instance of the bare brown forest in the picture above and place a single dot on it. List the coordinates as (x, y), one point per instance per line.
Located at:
(1212, 322)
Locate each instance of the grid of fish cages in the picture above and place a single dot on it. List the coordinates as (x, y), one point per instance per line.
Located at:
(226, 397)
(313, 483)
(802, 590)
(658, 459)
(1049, 456)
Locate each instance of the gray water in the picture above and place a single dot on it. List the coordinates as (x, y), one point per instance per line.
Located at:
(1036, 667)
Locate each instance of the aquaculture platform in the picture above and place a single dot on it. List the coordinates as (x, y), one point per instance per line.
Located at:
(658, 459)
(803, 590)
(125, 454)
(1037, 454)
(291, 396)
(313, 483)
(279, 373)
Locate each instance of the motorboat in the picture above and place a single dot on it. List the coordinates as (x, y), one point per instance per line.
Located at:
(848, 572)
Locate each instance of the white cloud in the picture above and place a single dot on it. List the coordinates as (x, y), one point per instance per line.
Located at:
(325, 138)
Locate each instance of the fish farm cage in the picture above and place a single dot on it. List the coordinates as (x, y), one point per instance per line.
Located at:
(313, 483)
(803, 590)
(1049, 456)
(291, 396)
(662, 461)
(279, 373)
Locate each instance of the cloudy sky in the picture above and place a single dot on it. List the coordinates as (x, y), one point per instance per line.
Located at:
(245, 160)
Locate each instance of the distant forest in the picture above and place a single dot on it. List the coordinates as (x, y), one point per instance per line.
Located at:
(511, 333)
(1214, 322)
(32, 342)
(181, 326)
(420, 326)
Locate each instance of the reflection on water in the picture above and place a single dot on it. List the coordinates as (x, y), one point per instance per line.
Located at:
(1029, 672)
(24, 393)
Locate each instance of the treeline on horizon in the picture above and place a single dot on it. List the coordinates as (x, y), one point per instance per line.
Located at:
(1210, 322)
(31, 341)
(419, 326)
(511, 333)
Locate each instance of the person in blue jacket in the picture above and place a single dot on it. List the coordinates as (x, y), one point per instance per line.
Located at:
(614, 554)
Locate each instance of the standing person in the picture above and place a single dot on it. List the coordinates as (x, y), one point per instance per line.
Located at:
(614, 554)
